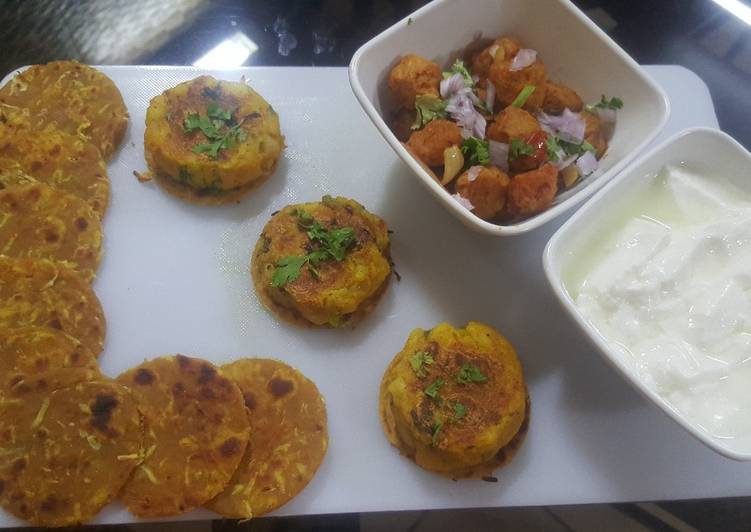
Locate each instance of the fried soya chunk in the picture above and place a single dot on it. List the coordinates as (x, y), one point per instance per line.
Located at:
(50, 294)
(509, 83)
(501, 48)
(532, 192)
(559, 97)
(41, 222)
(51, 156)
(485, 188)
(287, 443)
(512, 123)
(28, 351)
(196, 428)
(454, 400)
(414, 76)
(337, 291)
(65, 451)
(76, 98)
(428, 143)
(594, 133)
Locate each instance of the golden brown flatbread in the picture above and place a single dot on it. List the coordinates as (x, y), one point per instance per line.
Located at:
(50, 294)
(76, 98)
(29, 351)
(40, 222)
(288, 438)
(65, 453)
(196, 432)
(51, 156)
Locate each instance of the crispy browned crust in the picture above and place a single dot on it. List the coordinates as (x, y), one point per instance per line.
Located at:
(51, 294)
(196, 432)
(28, 351)
(66, 451)
(288, 440)
(77, 98)
(41, 222)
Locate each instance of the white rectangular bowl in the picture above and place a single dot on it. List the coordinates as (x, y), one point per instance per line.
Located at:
(709, 151)
(575, 52)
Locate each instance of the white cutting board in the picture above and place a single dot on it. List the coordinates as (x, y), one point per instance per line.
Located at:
(175, 279)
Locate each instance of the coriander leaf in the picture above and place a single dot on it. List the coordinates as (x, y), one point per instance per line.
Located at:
(191, 123)
(418, 360)
(287, 270)
(476, 151)
(437, 424)
(459, 68)
(305, 219)
(570, 148)
(612, 103)
(215, 111)
(459, 411)
(553, 148)
(212, 149)
(339, 241)
(432, 390)
(518, 148)
(523, 96)
(428, 108)
(469, 373)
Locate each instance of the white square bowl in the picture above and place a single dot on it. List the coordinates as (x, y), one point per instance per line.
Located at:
(704, 150)
(575, 52)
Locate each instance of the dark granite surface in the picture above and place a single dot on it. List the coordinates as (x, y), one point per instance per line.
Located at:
(698, 34)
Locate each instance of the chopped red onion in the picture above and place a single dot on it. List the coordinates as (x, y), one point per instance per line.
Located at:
(452, 85)
(473, 172)
(523, 59)
(587, 163)
(568, 126)
(490, 96)
(563, 161)
(607, 115)
(499, 154)
(464, 202)
(463, 112)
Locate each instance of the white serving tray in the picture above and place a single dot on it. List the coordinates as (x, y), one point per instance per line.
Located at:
(175, 279)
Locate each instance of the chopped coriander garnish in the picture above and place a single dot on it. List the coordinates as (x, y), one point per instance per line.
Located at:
(469, 373)
(459, 68)
(418, 360)
(476, 151)
(459, 411)
(234, 135)
(332, 244)
(518, 147)
(211, 126)
(553, 148)
(215, 111)
(523, 96)
(432, 390)
(614, 103)
(437, 424)
(428, 108)
(571, 148)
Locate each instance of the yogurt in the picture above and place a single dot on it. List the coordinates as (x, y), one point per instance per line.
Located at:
(669, 286)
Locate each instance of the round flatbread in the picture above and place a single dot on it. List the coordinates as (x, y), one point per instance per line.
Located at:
(196, 432)
(288, 438)
(51, 156)
(41, 222)
(50, 294)
(76, 98)
(65, 453)
(29, 351)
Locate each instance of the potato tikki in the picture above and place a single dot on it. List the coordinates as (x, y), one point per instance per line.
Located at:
(210, 141)
(322, 264)
(455, 401)
(500, 119)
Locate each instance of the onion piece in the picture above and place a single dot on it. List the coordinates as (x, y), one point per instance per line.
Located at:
(568, 126)
(463, 112)
(587, 163)
(607, 115)
(453, 162)
(499, 154)
(493, 50)
(452, 85)
(523, 59)
(464, 202)
(565, 162)
(490, 96)
(473, 172)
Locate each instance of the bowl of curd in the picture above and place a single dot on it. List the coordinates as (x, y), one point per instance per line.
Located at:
(656, 270)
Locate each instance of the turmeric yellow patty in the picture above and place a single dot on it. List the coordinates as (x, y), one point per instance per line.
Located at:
(210, 141)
